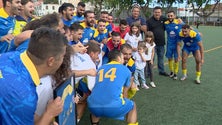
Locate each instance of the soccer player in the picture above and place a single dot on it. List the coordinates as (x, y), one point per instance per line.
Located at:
(101, 34)
(7, 22)
(110, 20)
(114, 42)
(50, 20)
(113, 103)
(192, 43)
(79, 15)
(104, 15)
(26, 15)
(88, 26)
(127, 50)
(172, 27)
(18, 80)
(67, 10)
(76, 31)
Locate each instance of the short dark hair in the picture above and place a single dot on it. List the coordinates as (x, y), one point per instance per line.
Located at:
(75, 27)
(49, 20)
(87, 12)
(186, 26)
(82, 4)
(123, 22)
(113, 55)
(101, 20)
(114, 33)
(157, 8)
(104, 12)
(24, 2)
(46, 42)
(92, 47)
(171, 11)
(126, 45)
(4, 2)
(64, 6)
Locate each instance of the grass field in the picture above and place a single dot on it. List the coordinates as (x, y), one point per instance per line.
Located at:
(183, 103)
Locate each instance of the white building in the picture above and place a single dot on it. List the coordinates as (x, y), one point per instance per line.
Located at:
(42, 9)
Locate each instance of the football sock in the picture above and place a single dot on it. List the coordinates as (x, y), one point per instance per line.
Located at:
(170, 65)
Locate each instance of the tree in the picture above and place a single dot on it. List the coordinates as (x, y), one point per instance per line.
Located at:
(51, 2)
(121, 4)
(168, 3)
(203, 8)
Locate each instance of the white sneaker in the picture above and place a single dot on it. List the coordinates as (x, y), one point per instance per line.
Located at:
(152, 84)
(175, 77)
(184, 77)
(144, 86)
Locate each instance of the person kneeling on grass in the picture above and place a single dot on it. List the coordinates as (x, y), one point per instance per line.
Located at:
(113, 103)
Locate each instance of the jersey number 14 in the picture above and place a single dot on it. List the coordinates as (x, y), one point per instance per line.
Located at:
(110, 74)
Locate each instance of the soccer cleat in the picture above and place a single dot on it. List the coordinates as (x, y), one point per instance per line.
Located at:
(152, 84)
(144, 86)
(171, 74)
(184, 77)
(197, 81)
(175, 77)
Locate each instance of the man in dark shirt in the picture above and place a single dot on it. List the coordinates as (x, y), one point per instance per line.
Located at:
(136, 18)
(156, 25)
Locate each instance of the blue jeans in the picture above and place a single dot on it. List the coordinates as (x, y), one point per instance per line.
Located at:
(160, 50)
(139, 73)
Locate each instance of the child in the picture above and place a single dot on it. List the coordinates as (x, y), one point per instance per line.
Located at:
(149, 40)
(133, 36)
(140, 62)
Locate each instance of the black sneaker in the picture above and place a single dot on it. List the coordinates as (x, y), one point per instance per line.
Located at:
(163, 74)
(171, 74)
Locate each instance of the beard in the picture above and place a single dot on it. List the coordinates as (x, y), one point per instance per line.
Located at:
(89, 23)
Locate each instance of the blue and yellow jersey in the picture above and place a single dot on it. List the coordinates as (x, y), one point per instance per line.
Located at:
(23, 46)
(7, 24)
(172, 28)
(131, 65)
(67, 22)
(88, 33)
(100, 36)
(72, 42)
(18, 81)
(77, 18)
(108, 26)
(109, 85)
(19, 24)
(192, 40)
(108, 47)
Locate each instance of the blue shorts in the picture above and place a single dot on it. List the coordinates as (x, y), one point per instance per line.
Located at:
(83, 88)
(172, 52)
(113, 112)
(190, 49)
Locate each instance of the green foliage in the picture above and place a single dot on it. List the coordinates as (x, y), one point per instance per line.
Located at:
(50, 1)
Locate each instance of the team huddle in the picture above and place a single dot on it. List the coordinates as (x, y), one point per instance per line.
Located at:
(110, 63)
